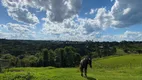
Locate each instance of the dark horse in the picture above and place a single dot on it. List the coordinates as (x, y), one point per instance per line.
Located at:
(84, 63)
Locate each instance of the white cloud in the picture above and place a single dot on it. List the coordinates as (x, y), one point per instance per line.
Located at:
(92, 11)
(59, 13)
(73, 26)
(124, 13)
(17, 28)
(127, 13)
(16, 31)
(57, 10)
(4, 35)
(89, 25)
(127, 35)
(62, 21)
(133, 36)
(67, 26)
(19, 12)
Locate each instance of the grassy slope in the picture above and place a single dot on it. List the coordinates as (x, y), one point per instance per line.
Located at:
(126, 67)
(120, 61)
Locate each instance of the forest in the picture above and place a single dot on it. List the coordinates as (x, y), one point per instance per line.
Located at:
(39, 53)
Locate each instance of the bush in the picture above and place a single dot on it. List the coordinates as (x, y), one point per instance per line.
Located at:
(27, 76)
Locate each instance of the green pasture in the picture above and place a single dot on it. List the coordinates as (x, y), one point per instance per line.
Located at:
(127, 67)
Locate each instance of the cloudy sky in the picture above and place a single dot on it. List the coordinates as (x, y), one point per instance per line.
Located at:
(74, 20)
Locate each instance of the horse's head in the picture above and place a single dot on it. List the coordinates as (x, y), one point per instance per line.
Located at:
(90, 61)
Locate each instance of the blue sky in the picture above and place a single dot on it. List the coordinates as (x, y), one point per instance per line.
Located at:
(75, 20)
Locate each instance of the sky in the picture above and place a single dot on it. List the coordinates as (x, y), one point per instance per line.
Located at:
(72, 20)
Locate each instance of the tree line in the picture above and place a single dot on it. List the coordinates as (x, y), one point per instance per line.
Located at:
(28, 53)
(61, 57)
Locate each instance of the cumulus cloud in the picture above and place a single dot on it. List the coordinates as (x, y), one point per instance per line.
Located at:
(89, 25)
(133, 36)
(127, 36)
(79, 25)
(73, 26)
(19, 12)
(133, 12)
(57, 10)
(124, 13)
(67, 26)
(62, 21)
(16, 31)
(4, 35)
(17, 28)
(63, 9)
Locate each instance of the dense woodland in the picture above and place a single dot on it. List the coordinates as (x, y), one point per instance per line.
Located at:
(29, 53)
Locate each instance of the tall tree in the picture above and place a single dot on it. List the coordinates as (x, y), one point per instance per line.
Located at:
(45, 57)
(51, 57)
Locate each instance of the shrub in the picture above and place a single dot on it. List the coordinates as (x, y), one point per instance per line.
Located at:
(27, 76)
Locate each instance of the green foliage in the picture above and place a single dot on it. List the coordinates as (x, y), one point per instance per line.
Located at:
(0, 68)
(40, 59)
(29, 61)
(77, 59)
(24, 76)
(25, 53)
(120, 52)
(45, 57)
(66, 57)
(10, 59)
(7, 56)
(51, 57)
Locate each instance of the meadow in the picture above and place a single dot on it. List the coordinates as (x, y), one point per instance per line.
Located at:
(126, 67)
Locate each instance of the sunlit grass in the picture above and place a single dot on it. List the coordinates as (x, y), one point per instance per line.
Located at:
(109, 68)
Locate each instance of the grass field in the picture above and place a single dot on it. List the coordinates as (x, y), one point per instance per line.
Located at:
(128, 67)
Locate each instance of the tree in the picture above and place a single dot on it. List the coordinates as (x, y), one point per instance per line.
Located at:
(63, 57)
(113, 50)
(29, 61)
(45, 57)
(70, 56)
(40, 59)
(33, 60)
(77, 59)
(51, 57)
(58, 57)
(10, 58)
(66, 57)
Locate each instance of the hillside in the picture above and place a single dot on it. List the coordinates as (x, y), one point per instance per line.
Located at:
(126, 67)
(133, 60)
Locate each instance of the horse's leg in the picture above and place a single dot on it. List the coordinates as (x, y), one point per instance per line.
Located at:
(85, 71)
(81, 70)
